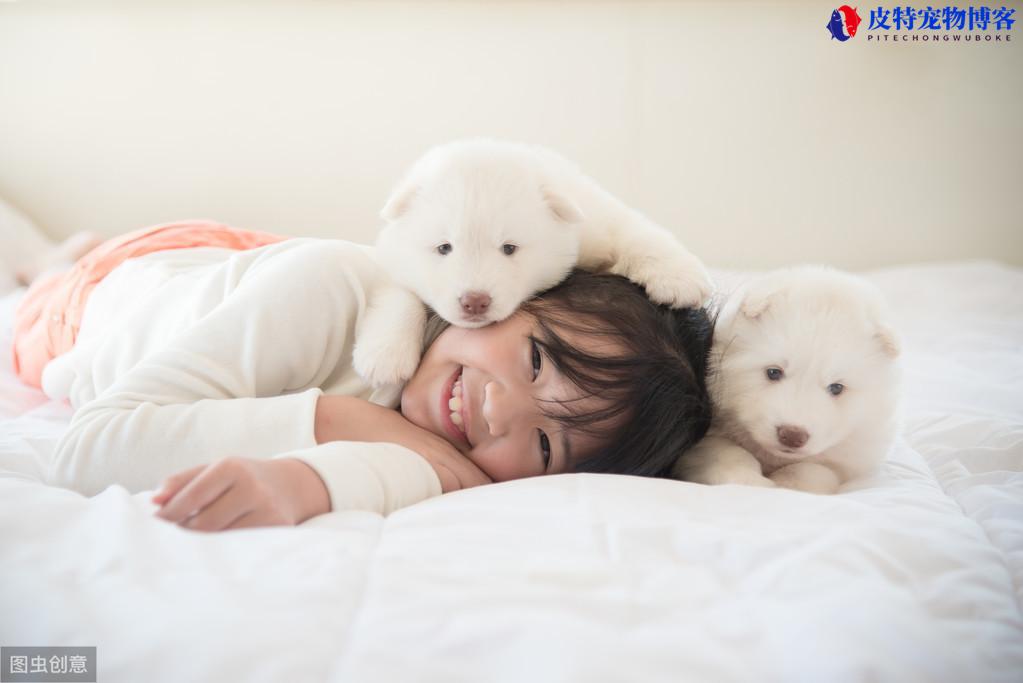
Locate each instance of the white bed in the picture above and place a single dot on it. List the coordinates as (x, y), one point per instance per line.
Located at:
(914, 576)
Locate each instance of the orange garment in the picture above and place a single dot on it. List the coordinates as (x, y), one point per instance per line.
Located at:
(47, 319)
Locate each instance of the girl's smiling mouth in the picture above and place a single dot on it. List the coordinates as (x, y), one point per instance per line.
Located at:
(453, 409)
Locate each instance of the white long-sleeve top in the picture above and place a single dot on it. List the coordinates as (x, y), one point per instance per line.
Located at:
(187, 356)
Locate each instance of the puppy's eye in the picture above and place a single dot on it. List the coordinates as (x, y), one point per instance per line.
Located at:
(509, 249)
(775, 374)
(444, 249)
(836, 389)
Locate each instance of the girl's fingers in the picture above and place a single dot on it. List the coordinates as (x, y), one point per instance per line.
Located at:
(256, 518)
(174, 483)
(198, 493)
(448, 479)
(219, 514)
(468, 474)
(460, 473)
(455, 470)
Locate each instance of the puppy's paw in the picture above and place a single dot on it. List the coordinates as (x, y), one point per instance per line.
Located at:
(716, 460)
(807, 476)
(717, 474)
(679, 291)
(383, 361)
(737, 475)
(676, 279)
(389, 337)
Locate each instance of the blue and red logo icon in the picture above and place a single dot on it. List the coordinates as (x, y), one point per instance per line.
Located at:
(844, 22)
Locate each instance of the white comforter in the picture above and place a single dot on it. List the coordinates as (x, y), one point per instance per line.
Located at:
(915, 576)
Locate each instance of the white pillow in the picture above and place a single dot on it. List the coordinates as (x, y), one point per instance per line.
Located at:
(21, 242)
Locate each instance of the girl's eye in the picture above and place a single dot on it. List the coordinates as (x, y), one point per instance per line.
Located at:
(537, 359)
(444, 249)
(509, 249)
(775, 374)
(836, 389)
(545, 449)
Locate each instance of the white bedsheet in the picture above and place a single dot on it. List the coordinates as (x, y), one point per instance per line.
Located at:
(914, 576)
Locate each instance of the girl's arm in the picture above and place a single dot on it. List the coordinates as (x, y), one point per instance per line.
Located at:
(241, 379)
(242, 492)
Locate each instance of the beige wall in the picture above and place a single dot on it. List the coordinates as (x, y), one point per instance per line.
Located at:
(741, 126)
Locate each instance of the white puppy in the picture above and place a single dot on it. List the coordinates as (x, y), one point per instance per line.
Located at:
(478, 226)
(804, 382)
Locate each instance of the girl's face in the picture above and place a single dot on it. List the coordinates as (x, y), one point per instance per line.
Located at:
(484, 390)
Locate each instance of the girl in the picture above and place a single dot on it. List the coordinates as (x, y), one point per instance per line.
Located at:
(200, 341)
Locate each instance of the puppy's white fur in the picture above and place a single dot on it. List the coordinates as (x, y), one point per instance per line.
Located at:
(479, 195)
(820, 327)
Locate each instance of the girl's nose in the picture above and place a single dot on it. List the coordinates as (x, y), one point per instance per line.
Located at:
(501, 407)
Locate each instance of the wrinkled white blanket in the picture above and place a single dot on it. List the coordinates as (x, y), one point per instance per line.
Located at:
(914, 576)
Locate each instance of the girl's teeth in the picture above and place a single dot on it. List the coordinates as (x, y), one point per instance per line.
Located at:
(455, 403)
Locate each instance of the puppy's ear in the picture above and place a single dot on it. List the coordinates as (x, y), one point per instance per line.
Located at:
(888, 340)
(399, 201)
(754, 305)
(562, 207)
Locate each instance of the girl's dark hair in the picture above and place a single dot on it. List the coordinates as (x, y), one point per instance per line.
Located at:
(651, 383)
(652, 388)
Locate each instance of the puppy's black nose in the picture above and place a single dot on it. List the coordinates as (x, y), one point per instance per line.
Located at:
(475, 303)
(793, 437)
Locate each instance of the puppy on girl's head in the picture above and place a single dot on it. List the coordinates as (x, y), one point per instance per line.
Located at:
(478, 226)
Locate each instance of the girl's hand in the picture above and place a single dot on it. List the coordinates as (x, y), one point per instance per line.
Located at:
(454, 470)
(242, 492)
(345, 418)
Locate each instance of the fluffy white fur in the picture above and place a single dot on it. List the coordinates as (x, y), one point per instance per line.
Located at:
(479, 195)
(819, 327)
